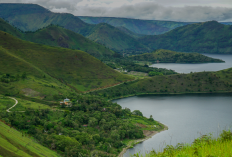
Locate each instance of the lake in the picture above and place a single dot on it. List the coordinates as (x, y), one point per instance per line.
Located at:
(187, 68)
(187, 116)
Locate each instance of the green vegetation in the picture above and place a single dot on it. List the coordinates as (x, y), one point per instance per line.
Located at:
(204, 146)
(91, 127)
(57, 36)
(202, 82)
(167, 56)
(35, 17)
(127, 65)
(42, 71)
(115, 39)
(5, 103)
(205, 37)
(15, 143)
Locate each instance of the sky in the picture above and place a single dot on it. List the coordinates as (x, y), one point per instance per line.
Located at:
(167, 10)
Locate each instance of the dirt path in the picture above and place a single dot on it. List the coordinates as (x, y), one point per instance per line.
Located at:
(109, 86)
(16, 102)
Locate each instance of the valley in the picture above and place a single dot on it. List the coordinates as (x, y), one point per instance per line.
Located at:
(79, 86)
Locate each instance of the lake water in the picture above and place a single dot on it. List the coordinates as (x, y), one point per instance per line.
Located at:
(187, 117)
(187, 68)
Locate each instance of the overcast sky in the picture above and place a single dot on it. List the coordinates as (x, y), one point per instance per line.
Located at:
(174, 10)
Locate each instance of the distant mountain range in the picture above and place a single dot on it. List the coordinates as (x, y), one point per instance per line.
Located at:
(118, 34)
(205, 37)
(31, 17)
(57, 36)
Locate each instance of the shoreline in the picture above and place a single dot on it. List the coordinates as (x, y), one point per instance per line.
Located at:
(141, 94)
(141, 140)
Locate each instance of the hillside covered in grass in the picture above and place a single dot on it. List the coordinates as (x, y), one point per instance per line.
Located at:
(31, 17)
(205, 37)
(18, 144)
(204, 146)
(43, 71)
(167, 56)
(115, 39)
(60, 37)
(201, 82)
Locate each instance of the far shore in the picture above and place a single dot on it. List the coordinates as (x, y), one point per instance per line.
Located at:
(141, 140)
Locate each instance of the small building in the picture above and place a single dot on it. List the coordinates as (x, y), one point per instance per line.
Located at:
(66, 102)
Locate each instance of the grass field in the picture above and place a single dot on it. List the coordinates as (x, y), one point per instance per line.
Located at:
(16, 144)
(5, 103)
(51, 70)
(25, 104)
(205, 146)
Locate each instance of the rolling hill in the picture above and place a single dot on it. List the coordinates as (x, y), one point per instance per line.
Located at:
(143, 27)
(34, 17)
(57, 36)
(205, 37)
(28, 67)
(167, 56)
(115, 39)
(15, 144)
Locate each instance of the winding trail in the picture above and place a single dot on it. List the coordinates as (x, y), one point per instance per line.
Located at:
(16, 102)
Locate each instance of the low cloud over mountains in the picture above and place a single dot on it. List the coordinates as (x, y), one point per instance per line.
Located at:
(194, 11)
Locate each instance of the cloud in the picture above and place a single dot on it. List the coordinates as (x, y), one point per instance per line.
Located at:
(153, 11)
(173, 10)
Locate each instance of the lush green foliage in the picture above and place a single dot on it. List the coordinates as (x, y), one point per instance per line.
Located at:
(204, 146)
(129, 65)
(50, 70)
(206, 37)
(58, 36)
(91, 126)
(167, 56)
(202, 82)
(17, 144)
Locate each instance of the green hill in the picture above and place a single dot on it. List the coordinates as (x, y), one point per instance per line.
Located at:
(46, 71)
(34, 17)
(58, 36)
(115, 39)
(206, 37)
(144, 27)
(202, 82)
(167, 56)
(15, 144)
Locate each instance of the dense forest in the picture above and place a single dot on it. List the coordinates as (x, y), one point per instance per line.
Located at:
(91, 127)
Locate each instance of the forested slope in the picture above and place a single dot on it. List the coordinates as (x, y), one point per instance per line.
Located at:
(205, 37)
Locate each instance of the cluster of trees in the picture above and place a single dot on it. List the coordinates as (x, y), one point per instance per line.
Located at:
(90, 124)
(167, 56)
(130, 65)
(7, 78)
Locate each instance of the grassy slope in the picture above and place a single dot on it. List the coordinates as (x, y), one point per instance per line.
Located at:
(167, 56)
(115, 38)
(35, 17)
(202, 82)
(204, 146)
(145, 27)
(206, 37)
(58, 36)
(13, 143)
(76, 69)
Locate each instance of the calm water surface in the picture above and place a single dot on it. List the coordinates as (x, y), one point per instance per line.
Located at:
(187, 117)
(187, 68)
